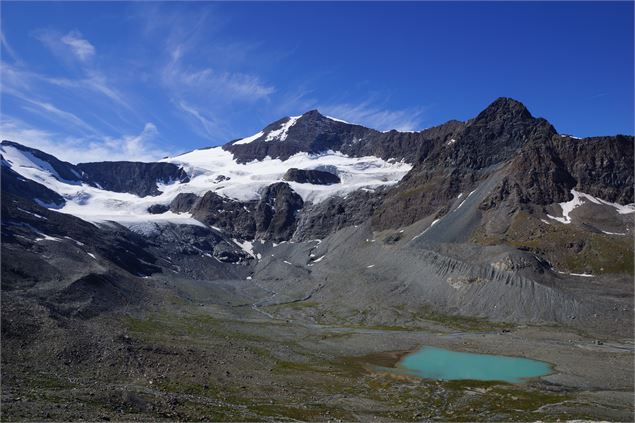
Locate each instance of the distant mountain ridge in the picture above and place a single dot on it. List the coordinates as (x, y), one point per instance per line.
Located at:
(540, 166)
(499, 217)
(308, 176)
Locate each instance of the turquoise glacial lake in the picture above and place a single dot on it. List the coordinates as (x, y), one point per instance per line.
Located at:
(442, 364)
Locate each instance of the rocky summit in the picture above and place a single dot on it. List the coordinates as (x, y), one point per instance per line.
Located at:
(275, 276)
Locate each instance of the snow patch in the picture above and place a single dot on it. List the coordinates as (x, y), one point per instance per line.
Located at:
(30, 166)
(337, 120)
(281, 133)
(580, 198)
(614, 233)
(246, 246)
(570, 136)
(81, 244)
(584, 275)
(250, 139)
(32, 214)
(434, 222)
(45, 237)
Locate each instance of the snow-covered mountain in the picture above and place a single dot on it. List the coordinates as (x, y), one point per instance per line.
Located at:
(501, 204)
(210, 169)
(449, 159)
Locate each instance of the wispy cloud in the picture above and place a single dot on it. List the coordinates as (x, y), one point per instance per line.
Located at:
(376, 117)
(140, 147)
(202, 76)
(70, 45)
(371, 112)
(6, 47)
(185, 79)
(213, 128)
(73, 44)
(94, 81)
(79, 46)
(56, 114)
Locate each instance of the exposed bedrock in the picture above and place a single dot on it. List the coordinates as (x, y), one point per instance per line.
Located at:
(601, 166)
(314, 133)
(317, 221)
(231, 216)
(273, 217)
(132, 177)
(15, 185)
(311, 176)
(277, 211)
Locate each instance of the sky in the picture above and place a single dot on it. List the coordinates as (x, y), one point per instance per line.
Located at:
(138, 81)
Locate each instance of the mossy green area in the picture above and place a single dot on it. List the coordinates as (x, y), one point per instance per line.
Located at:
(294, 305)
(309, 376)
(191, 366)
(463, 323)
(194, 326)
(568, 248)
(472, 401)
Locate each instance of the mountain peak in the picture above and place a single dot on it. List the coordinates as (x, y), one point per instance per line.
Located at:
(312, 113)
(505, 108)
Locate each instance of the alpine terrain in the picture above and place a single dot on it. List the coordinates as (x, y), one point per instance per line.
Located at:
(284, 275)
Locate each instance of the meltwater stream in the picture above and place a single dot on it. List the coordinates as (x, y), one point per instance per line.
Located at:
(438, 363)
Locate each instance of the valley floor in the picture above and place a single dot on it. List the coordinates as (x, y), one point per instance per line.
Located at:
(231, 361)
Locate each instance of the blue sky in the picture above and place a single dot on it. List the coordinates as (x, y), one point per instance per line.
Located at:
(137, 81)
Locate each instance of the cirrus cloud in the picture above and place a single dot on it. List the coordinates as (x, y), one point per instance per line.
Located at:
(136, 147)
(80, 46)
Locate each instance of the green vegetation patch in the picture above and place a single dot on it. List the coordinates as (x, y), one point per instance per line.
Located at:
(464, 323)
(567, 247)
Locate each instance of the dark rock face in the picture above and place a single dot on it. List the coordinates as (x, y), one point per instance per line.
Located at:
(537, 175)
(231, 216)
(319, 220)
(273, 217)
(496, 135)
(158, 209)
(227, 254)
(459, 159)
(311, 176)
(15, 185)
(311, 133)
(183, 202)
(314, 133)
(545, 172)
(132, 177)
(195, 250)
(409, 146)
(276, 213)
(601, 166)
(125, 250)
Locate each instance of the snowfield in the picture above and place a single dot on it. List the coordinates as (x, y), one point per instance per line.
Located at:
(246, 180)
(212, 169)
